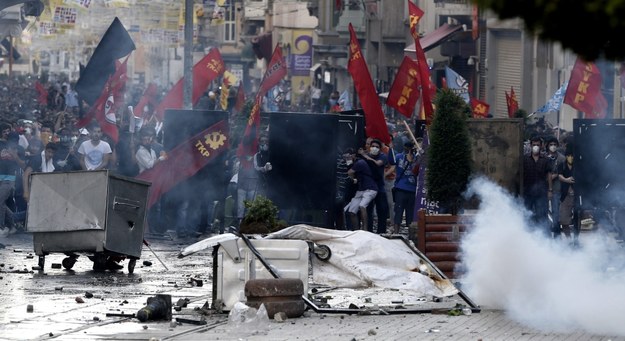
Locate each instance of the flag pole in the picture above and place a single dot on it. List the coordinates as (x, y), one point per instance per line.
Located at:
(188, 57)
(410, 133)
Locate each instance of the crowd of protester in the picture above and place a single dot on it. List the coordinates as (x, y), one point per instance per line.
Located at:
(40, 133)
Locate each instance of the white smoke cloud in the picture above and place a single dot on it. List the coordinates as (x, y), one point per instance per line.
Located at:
(539, 282)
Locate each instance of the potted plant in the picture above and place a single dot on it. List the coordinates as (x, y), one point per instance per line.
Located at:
(261, 217)
(449, 152)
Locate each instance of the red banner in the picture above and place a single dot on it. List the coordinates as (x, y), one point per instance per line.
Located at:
(584, 90)
(150, 96)
(480, 109)
(375, 124)
(276, 70)
(405, 89)
(204, 72)
(238, 106)
(186, 159)
(428, 90)
(512, 103)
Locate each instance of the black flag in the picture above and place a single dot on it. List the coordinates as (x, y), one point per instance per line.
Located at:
(116, 43)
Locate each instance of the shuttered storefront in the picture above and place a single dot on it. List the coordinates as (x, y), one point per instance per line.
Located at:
(508, 58)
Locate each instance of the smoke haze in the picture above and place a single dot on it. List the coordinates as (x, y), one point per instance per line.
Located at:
(540, 282)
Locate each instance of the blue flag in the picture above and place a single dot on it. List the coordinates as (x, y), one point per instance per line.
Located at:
(457, 84)
(344, 101)
(555, 102)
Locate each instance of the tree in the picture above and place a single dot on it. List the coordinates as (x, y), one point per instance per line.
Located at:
(591, 28)
(449, 153)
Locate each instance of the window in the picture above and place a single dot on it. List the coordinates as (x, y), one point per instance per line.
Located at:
(229, 23)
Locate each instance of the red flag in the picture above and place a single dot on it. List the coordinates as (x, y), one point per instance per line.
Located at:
(405, 89)
(508, 103)
(375, 125)
(512, 103)
(186, 159)
(480, 108)
(104, 108)
(149, 97)
(238, 106)
(204, 72)
(584, 90)
(338, 5)
(475, 22)
(428, 90)
(42, 93)
(276, 70)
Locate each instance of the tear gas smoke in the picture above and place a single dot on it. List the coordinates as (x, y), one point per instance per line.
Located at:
(540, 282)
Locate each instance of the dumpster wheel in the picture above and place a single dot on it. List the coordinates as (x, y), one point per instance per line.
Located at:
(131, 265)
(68, 262)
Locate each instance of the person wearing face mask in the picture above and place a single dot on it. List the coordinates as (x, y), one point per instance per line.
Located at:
(65, 158)
(333, 102)
(377, 161)
(555, 159)
(568, 213)
(537, 185)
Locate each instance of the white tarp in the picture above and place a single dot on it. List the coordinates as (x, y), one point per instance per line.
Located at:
(363, 259)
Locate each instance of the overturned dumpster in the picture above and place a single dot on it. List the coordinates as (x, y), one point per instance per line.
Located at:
(323, 260)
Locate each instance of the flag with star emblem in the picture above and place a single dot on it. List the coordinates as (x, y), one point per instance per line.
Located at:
(204, 72)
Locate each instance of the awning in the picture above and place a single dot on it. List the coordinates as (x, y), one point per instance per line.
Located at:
(435, 38)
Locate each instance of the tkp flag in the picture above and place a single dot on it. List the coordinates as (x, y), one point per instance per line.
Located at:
(405, 89)
(186, 159)
(584, 90)
(457, 84)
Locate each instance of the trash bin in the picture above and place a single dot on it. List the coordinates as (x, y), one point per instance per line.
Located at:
(94, 212)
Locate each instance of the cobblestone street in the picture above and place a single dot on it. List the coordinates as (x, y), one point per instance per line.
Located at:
(73, 305)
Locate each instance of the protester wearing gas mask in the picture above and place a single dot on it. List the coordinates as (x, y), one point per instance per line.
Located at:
(536, 185)
(377, 160)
